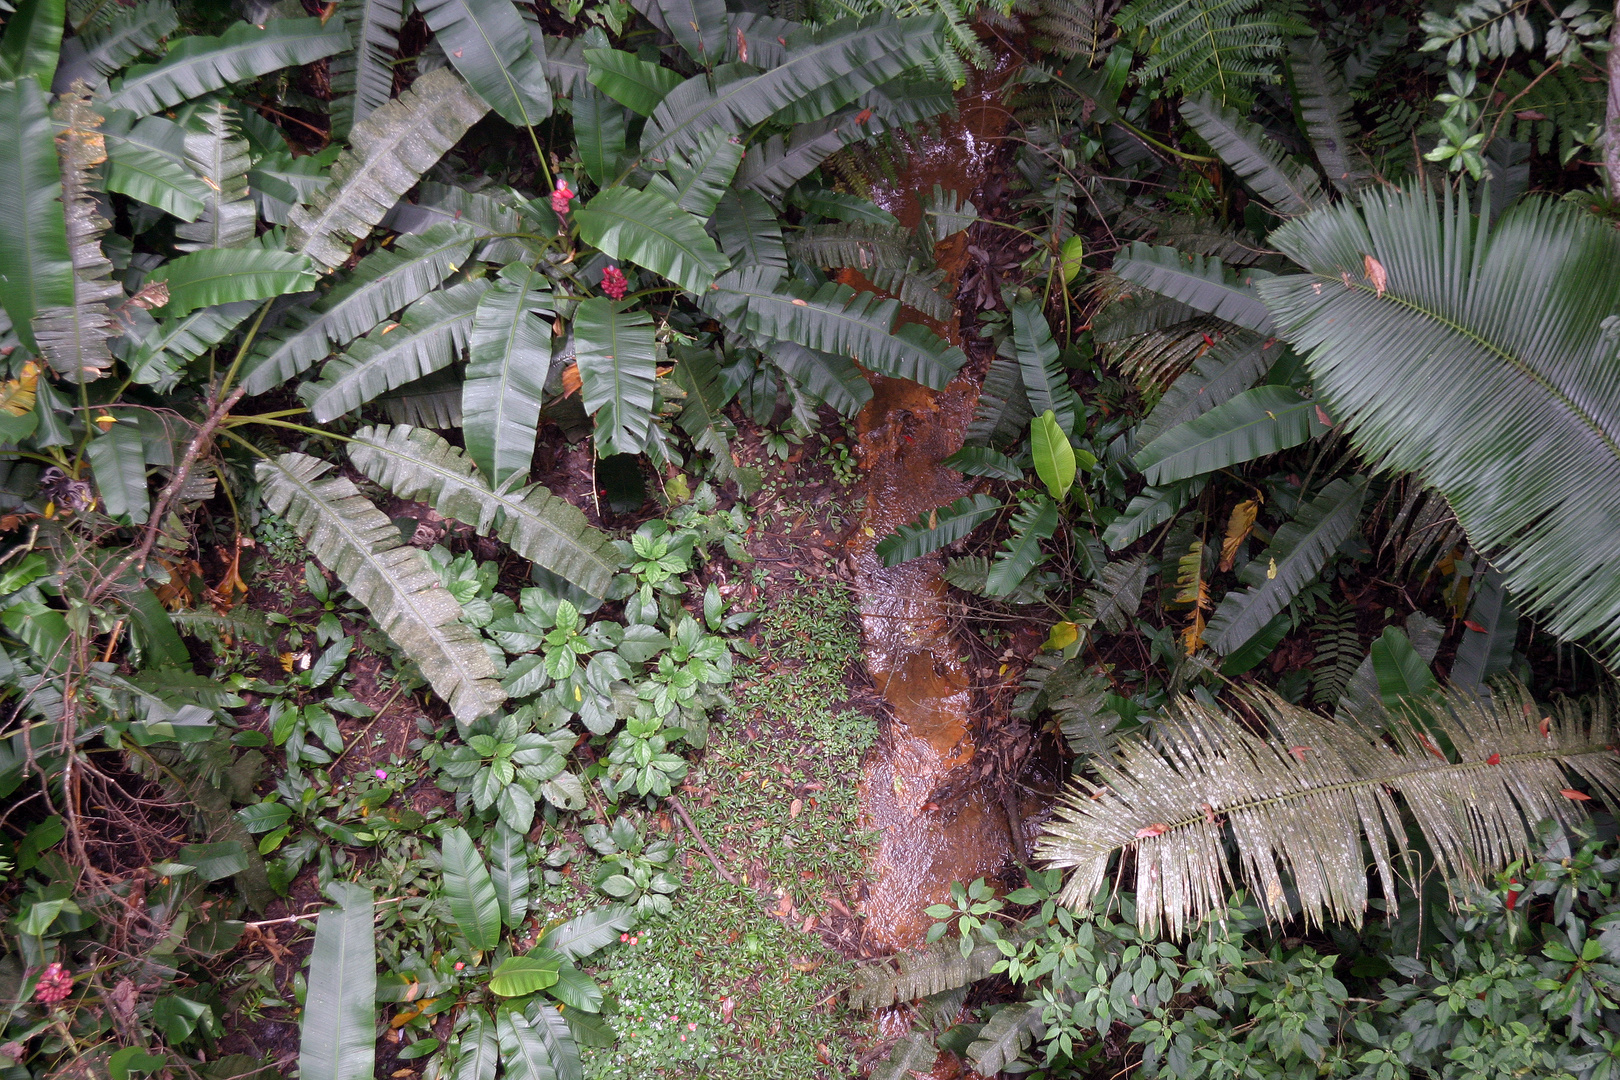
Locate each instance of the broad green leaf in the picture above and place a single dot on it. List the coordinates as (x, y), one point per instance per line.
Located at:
(339, 1024)
(1199, 281)
(599, 132)
(400, 588)
(1403, 676)
(577, 990)
(1035, 522)
(388, 153)
(430, 335)
(1003, 411)
(635, 84)
(1149, 509)
(385, 281)
(618, 364)
(102, 50)
(983, 461)
(226, 275)
(469, 891)
(520, 975)
(1290, 188)
(523, 1053)
(651, 231)
(748, 231)
(1253, 424)
(219, 860)
(696, 180)
(158, 359)
(363, 78)
(1053, 453)
(698, 26)
(829, 377)
(1296, 556)
(583, 935)
(936, 529)
(197, 65)
(488, 43)
(509, 872)
(36, 269)
(1325, 107)
(508, 360)
(480, 1050)
(1046, 382)
(220, 158)
(418, 465)
(1232, 365)
(149, 177)
(118, 460)
(32, 41)
(1490, 632)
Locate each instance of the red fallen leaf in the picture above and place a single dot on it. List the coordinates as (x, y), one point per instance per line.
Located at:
(1575, 796)
(1474, 626)
(1209, 340)
(1158, 828)
(1209, 813)
(1545, 727)
(742, 46)
(1428, 744)
(1299, 751)
(863, 116)
(1513, 895)
(1321, 414)
(1494, 759)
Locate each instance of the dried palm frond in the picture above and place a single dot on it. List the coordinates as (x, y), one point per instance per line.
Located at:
(1312, 803)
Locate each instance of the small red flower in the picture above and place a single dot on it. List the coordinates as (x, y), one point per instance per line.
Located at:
(614, 283)
(560, 197)
(54, 985)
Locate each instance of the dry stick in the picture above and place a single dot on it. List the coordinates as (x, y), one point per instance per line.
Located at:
(704, 844)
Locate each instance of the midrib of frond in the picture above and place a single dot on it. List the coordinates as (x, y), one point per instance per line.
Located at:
(1586, 419)
(1392, 779)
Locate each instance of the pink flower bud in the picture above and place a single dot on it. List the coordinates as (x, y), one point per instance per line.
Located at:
(54, 985)
(560, 197)
(614, 283)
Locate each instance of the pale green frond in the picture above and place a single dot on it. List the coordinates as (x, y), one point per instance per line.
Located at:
(1224, 47)
(1484, 363)
(384, 282)
(395, 582)
(388, 153)
(220, 158)
(1311, 804)
(420, 466)
(363, 78)
(509, 358)
(429, 336)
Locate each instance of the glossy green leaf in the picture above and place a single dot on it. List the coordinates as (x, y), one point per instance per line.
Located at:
(469, 891)
(339, 1023)
(1054, 455)
(633, 83)
(1253, 424)
(32, 41)
(118, 460)
(487, 42)
(1034, 523)
(520, 975)
(651, 231)
(618, 364)
(226, 275)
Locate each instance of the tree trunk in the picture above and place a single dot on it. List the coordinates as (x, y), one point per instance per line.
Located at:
(1611, 141)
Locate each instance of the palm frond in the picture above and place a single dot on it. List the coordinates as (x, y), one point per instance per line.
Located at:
(1309, 804)
(1483, 364)
(395, 582)
(388, 153)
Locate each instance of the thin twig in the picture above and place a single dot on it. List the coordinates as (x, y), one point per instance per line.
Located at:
(704, 844)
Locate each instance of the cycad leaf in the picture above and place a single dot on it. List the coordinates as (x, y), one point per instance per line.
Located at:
(1253, 424)
(829, 69)
(356, 541)
(364, 77)
(1317, 799)
(698, 179)
(197, 65)
(633, 83)
(1324, 105)
(1198, 281)
(618, 364)
(1149, 509)
(338, 1032)
(488, 43)
(1046, 383)
(100, 52)
(1299, 551)
(226, 275)
(651, 231)
(36, 270)
(583, 935)
(431, 335)
(509, 873)
(118, 459)
(1485, 367)
(469, 891)
(220, 158)
(418, 465)
(936, 529)
(388, 153)
(837, 319)
(1290, 188)
(599, 131)
(1020, 553)
(509, 356)
(1234, 364)
(385, 281)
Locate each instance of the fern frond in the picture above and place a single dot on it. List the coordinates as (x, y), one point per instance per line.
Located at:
(1075, 28)
(395, 582)
(1338, 653)
(1307, 804)
(1222, 47)
(939, 967)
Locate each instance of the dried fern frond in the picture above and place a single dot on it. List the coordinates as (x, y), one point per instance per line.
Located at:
(1311, 804)
(941, 966)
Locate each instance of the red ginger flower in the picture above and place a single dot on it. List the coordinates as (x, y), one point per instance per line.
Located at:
(54, 985)
(560, 197)
(614, 283)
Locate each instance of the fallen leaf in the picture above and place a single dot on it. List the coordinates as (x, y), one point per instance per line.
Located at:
(1158, 828)
(800, 303)
(1299, 751)
(1546, 727)
(571, 381)
(1321, 414)
(1428, 744)
(1209, 814)
(1474, 626)
(795, 808)
(1494, 759)
(1376, 274)
(727, 1008)
(1238, 527)
(1577, 796)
